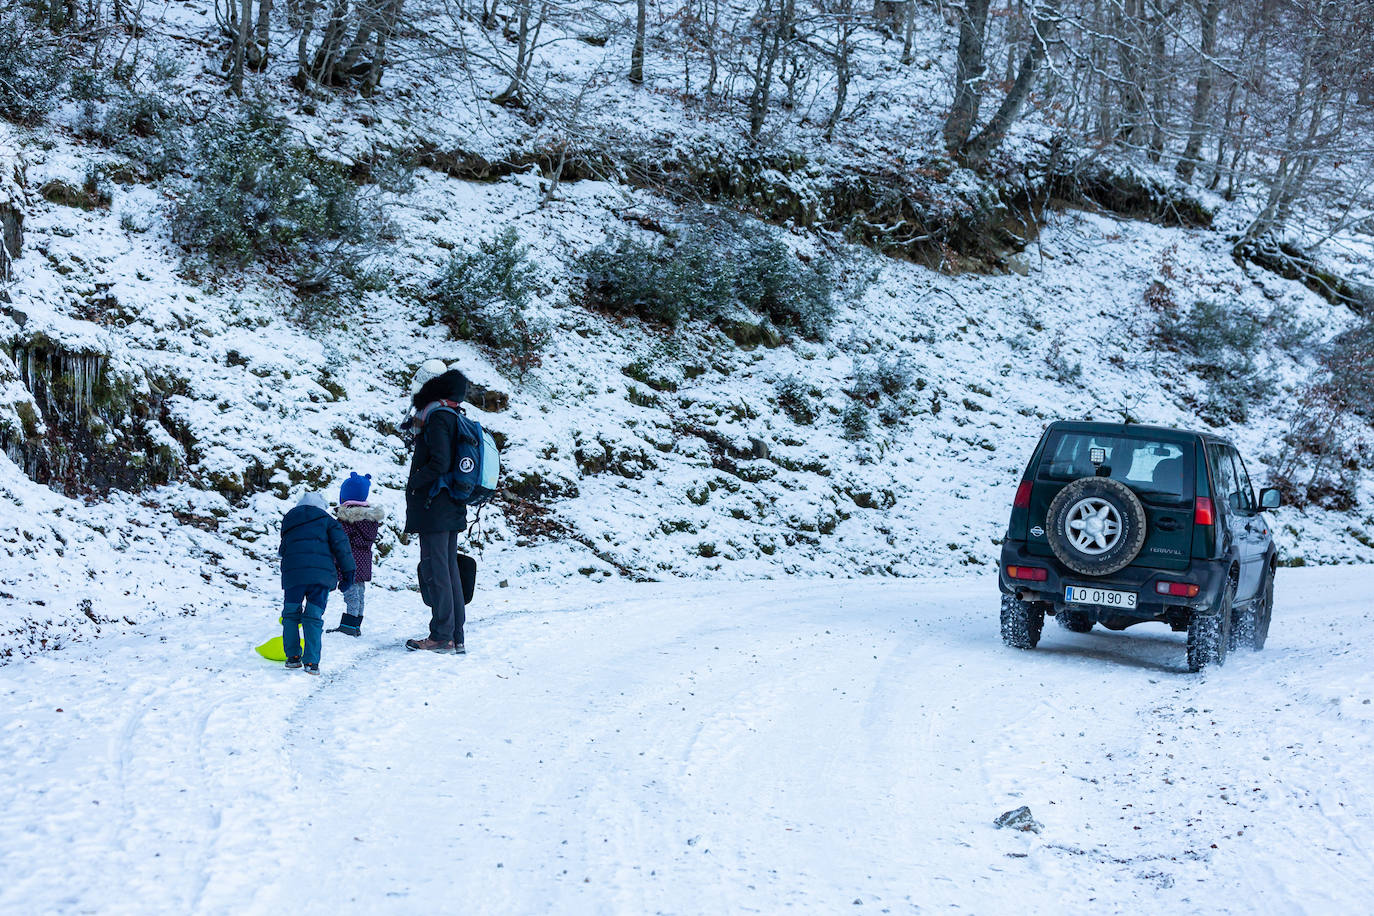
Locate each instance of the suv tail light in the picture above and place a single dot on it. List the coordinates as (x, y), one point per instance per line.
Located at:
(1203, 513)
(1031, 573)
(1022, 500)
(1177, 589)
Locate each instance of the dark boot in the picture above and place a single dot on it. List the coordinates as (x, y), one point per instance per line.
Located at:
(429, 645)
(293, 662)
(349, 626)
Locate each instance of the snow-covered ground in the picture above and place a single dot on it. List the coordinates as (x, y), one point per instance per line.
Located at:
(697, 748)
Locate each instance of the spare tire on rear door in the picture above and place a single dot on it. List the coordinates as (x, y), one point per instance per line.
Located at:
(1096, 526)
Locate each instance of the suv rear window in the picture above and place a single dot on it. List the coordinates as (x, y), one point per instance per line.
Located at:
(1148, 466)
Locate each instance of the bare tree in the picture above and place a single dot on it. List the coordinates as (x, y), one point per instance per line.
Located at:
(1202, 95)
(974, 152)
(773, 27)
(637, 54)
(969, 69)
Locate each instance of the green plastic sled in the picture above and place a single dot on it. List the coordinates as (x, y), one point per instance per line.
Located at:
(272, 649)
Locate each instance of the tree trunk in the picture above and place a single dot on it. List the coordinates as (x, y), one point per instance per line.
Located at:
(968, 75)
(713, 72)
(1159, 85)
(307, 25)
(514, 93)
(908, 30)
(241, 48)
(844, 32)
(264, 29)
(775, 28)
(1202, 97)
(325, 64)
(976, 151)
(637, 53)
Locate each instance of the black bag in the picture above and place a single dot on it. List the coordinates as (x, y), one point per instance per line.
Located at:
(467, 571)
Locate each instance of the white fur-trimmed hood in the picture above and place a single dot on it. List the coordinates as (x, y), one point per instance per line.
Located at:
(361, 513)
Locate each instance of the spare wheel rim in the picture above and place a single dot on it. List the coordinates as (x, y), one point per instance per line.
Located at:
(1093, 526)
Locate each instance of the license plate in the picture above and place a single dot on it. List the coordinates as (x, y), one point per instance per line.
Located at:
(1077, 594)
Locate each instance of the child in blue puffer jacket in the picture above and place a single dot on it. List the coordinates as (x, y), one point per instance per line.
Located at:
(315, 557)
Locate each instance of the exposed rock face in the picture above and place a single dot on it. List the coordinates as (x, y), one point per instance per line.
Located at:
(11, 207)
(71, 420)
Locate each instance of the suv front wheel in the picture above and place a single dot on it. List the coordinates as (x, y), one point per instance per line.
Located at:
(1252, 626)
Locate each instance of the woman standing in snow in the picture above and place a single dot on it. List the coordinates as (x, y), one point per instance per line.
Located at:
(432, 512)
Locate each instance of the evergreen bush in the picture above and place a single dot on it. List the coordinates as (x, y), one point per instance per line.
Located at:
(882, 376)
(31, 70)
(854, 422)
(485, 295)
(703, 274)
(257, 195)
(1219, 343)
(798, 400)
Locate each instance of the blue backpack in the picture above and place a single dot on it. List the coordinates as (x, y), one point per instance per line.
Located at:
(476, 462)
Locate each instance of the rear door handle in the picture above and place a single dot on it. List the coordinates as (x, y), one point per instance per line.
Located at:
(1167, 524)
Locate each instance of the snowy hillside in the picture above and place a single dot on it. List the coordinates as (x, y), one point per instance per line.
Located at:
(690, 469)
(182, 408)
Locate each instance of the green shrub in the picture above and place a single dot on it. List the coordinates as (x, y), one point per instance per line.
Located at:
(774, 282)
(31, 70)
(883, 376)
(798, 400)
(1064, 372)
(257, 195)
(485, 294)
(664, 283)
(1219, 344)
(144, 124)
(1213, 334)
(703, 274)
(854, 422)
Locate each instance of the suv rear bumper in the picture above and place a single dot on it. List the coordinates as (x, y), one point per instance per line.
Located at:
(1209, 577)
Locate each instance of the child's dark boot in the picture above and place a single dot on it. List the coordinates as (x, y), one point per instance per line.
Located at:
(349, 626)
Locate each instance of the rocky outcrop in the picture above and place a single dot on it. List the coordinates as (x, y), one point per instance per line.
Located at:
(80, 425)
(12, 201)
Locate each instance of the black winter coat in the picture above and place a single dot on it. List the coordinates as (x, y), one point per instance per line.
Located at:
(434, 446)
(314, 549)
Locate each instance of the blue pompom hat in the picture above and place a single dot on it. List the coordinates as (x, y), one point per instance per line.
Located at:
(355, 488)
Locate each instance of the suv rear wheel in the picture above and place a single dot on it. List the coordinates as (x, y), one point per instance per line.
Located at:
(1209, 635)
(1022, 622)
(1096, 526)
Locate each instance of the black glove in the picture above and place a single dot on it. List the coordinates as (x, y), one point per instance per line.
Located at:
(345, 582)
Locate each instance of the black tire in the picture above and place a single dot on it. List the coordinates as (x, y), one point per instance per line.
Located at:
(1122, 545)
(1074, 621)
(1209, 634)
(1022, 622)
(1252, 623)
(1264, 613)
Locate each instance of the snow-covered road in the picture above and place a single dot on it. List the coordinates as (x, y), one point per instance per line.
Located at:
(688, 748)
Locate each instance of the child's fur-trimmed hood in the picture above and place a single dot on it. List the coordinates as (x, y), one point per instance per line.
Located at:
(361, 513)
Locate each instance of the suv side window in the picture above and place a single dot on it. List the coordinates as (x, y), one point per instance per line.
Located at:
(1247, 494)
(1223, 477)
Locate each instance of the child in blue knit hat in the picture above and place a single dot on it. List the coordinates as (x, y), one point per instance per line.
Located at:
(362, 523)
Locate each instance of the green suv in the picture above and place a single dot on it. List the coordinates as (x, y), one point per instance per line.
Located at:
(1122, 524)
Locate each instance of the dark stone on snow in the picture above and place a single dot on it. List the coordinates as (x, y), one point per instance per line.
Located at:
(1019, 819)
